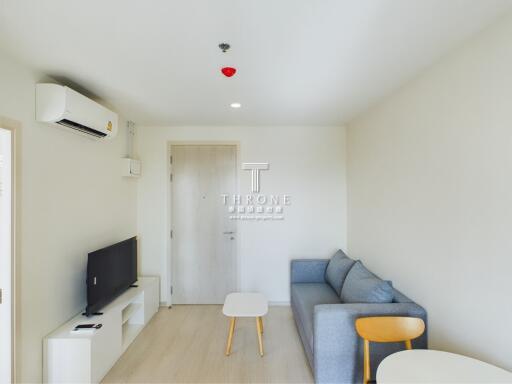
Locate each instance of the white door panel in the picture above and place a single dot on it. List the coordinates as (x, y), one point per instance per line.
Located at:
(204, 238)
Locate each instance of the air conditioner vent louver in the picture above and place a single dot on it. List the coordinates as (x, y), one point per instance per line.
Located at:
(81, 128)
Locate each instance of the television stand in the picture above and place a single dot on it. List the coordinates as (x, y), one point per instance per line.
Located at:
(71, 357)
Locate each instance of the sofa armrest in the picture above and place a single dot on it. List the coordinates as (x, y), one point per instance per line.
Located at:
(308, 270)
(338, 348)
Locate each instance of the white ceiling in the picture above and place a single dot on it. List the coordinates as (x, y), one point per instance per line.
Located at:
(300, 62)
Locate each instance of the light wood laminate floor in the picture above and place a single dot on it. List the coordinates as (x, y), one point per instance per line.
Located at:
(186, 344)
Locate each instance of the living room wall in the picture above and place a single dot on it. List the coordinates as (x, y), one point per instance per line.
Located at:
(307, 163)
(72, 200)
(430, 194)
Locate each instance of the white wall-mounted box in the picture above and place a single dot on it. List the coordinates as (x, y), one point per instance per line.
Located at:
(130, 167)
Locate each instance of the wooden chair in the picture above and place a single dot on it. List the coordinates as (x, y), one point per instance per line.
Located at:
(387, 329)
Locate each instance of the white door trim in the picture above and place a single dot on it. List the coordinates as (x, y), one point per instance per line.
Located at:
(167, 276)
(13, 127)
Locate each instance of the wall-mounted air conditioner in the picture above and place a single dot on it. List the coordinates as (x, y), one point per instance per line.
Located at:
(63, 106)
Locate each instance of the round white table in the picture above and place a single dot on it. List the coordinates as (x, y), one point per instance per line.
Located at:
(429, 366)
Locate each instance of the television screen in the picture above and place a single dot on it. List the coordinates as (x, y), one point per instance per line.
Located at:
(110, 272)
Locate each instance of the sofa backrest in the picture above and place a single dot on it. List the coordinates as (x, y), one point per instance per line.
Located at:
(400, 297)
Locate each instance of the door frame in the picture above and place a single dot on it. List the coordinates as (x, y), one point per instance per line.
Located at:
(14, 126)
(169, 256)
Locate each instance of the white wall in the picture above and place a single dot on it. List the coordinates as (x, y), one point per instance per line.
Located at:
(5, 253)
(72, 200)
(430, 195)
(306, 162)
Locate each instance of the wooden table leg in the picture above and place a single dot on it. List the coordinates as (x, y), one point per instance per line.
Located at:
(260, 331)
(230, 335)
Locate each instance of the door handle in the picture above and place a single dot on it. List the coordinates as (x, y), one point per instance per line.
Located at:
(228, 233)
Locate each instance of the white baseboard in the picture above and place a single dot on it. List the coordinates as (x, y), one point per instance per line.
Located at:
(279, 303)
(270, 303)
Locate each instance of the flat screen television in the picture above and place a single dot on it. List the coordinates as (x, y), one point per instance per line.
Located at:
(110, 272)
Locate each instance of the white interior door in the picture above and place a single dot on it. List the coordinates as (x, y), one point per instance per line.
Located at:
(5, 256)
(204, 262)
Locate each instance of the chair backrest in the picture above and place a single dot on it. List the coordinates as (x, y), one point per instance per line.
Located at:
(389, 329)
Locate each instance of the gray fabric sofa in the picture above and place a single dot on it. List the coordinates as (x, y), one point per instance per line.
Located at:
(326, 324)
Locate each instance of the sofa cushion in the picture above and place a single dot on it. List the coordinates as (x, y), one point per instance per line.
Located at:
(304, 297)
(362, 286)
(337, 270)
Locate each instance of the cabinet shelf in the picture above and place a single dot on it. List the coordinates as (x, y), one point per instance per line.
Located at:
(130, 332)
(130, 311)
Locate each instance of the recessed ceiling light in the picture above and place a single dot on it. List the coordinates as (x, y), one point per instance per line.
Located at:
(235, 105)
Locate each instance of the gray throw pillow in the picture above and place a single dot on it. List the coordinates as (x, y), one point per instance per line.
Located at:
(362, 286)
(337, 270)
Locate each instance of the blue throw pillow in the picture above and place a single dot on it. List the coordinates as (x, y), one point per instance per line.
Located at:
(337, 270)
(362, 286)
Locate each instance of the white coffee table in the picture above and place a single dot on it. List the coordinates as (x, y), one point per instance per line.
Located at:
(240, 304)
(429, 366)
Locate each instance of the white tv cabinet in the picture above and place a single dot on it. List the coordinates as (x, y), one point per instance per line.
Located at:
(71, 357)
